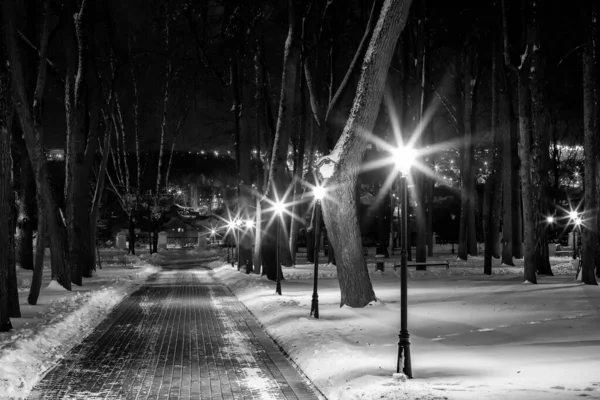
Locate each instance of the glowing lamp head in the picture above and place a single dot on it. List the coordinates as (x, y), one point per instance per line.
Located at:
(550, 219)
(231, 224)
(319, 192)
(577, 221)
(213, 232)
(249, 223)
(279, 207)
(573, 215)
(238, 222)
(404, 158)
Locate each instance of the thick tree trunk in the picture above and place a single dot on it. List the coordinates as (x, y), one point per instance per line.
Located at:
(467, 242)
(590, 148)
(540, 151)
(38, 271)
(491, 209)
(8, 285)
(76, 181)
(340, 212)
(527, 189)
(298, 206)
(25, 219)
(31, 124)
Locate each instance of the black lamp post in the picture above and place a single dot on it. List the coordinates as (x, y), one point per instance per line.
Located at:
(452, 216)
(238, 224)
(231, 225)
(577, 227)
(278, 209)
(319, 193)
(577, 221)
(404, 159)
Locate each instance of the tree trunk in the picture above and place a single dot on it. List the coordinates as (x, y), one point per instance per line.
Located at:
(590, 149)
(7, 254)
(340, 212)
(76, 179)
(467, 242)
(527, 189)
(38, 271)
(26, 211)
(278, 176)
(540, 150)
(30, 119)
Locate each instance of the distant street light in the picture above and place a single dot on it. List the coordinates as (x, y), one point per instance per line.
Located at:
(404, 157)
(279, 207)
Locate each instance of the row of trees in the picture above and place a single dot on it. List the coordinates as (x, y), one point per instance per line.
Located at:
(88, 74)
(332, 80)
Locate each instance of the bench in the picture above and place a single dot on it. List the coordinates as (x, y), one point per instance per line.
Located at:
(426, 264)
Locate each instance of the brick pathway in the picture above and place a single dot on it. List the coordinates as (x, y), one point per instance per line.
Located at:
(183, 335)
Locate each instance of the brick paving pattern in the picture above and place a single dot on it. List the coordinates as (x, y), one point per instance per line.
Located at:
(183, 335)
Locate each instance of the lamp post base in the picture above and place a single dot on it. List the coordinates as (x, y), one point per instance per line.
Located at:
(314, 308)
(278, 288)
(404, 364)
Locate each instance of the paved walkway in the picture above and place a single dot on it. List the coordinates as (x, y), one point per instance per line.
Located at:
(182, 335)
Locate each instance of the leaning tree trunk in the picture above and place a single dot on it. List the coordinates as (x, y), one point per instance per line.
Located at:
(38, 271)
(26, 211)
(31, 123)
(590, 148)
(340, 211)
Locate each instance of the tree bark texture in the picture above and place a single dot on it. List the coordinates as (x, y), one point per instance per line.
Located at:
(38, 271)
(7, 254)
(526, 179)
(591, 147)
(26, 210)
(467, 242)
(539, 150)
(30, 118)
(340, 213)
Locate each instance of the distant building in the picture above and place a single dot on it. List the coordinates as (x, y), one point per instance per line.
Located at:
(55, 155)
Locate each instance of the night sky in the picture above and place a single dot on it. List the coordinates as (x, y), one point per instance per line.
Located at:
(209, 125)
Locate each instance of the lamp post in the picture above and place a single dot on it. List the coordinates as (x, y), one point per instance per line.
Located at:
(577, 227)
(278, 210)
(404, 159)
(249, 225)
(231, 226)
(550, 220)
(238, 224)
(319, 193)
(577, 221)
(452, 216)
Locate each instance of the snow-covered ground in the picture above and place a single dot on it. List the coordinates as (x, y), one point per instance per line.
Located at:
(61, 319)
(472, 336)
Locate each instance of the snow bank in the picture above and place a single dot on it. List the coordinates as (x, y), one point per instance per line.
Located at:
(59, 321)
